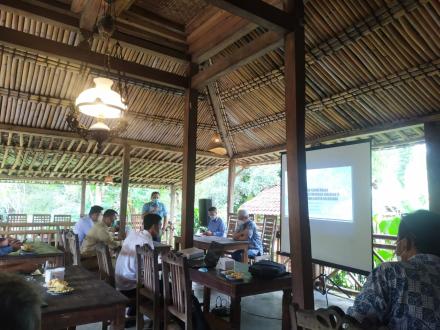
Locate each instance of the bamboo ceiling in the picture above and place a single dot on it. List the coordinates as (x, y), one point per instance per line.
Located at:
(372, 70)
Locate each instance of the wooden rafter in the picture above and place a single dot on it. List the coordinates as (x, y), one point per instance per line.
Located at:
(256, 48)
(70, 53)
(63, 17)
(220, 119)
(90, 12)
(259, 12)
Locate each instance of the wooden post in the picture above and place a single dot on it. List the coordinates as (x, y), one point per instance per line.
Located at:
(299, 227)
(189, 161)
(124, 191)
(432, 139)
(231, 184)
(82, 210)
(172, 202)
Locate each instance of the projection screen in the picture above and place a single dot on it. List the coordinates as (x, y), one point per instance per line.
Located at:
(339, 200)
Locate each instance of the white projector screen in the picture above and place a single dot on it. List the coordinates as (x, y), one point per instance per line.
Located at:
(339, 200)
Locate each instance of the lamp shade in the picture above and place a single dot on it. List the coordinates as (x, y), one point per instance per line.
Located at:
(101, 101)
(216, 145)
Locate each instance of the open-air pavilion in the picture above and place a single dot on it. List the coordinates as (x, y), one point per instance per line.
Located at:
(263, 76)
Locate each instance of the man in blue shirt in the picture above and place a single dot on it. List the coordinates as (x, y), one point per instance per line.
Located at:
(156, 207)
(83, 225)
(216, 226)
(247, 231)
(8, 245)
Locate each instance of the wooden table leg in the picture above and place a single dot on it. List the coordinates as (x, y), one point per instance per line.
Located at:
(118, 322)
(287, 300)
(235, 312)
(206, 299)
(245, 256)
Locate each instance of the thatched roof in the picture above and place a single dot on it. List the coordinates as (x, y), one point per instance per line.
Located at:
(371, 67)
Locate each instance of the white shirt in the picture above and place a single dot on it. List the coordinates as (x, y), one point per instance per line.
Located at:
(82, 227)
(126, 265)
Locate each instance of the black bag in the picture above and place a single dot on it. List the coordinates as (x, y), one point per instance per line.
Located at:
(198, 319)
(267, 270)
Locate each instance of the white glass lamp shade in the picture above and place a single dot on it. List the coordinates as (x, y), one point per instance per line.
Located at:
(101, 101)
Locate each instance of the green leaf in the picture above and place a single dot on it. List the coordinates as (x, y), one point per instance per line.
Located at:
(393, 229)
(386, 255)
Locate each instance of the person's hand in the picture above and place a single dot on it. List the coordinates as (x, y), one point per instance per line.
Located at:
(208, 233)
(4, 242)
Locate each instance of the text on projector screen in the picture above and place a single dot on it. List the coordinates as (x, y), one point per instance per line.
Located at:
(330, 194)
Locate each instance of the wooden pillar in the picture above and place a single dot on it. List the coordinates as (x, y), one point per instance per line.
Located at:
(299, 227)
(172, 202)
(124, 191)
(432, 139)
(82, 210)
(231, 185)
(189, 161)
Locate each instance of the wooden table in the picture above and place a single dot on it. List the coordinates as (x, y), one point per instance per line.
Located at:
(161, 248)
(16, 261)
(92, 301)
(236, 290)
(203, 242)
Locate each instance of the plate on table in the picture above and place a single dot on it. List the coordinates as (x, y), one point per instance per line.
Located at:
(66, 291)
(58, 287)
(231, 275)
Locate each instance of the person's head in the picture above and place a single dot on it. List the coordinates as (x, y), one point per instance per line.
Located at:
(153, 224)
(418, 233)
(212, 212)
(95, 212)
(109, 217)
(155, 196)
(243, 215)
(20, 304)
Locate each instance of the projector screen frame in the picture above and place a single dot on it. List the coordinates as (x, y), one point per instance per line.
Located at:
(318, 261)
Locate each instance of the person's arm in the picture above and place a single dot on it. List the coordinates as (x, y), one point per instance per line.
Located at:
(371, 306)
(221, 229)
(4, 250)
(165, 217)
(145, 210)
(242, 234)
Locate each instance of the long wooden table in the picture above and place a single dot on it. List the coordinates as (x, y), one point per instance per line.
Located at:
(18, 261)
(92, 301)
(250, 286)
(203, 242)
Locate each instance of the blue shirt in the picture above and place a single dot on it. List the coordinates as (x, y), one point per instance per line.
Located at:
(158, 209)
(401, 295)
(82, 227)
(217, 227)
(4, 250)
(254, 236)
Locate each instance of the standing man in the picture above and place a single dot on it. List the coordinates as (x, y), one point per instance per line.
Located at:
(156, 207)
(83, 225)
(247, 231)
(216, 226)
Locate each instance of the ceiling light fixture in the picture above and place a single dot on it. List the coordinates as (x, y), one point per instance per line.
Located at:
(216, 145)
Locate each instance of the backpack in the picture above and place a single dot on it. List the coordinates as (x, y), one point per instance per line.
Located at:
(267, 270)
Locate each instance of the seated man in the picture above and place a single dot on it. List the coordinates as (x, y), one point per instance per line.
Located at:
(20, 304)
(126, 265)
(100, 233)
(83, 225)
(405, 294)
(216, 227)
(247, 231)
(8, 245)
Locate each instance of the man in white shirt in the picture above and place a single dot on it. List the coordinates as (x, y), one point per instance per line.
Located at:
(126, 264)
(84, 224)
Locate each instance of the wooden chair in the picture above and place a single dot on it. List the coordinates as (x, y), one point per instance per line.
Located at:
(106, 270)
(177, 298)
(267, 236)
(62, 218)
(137, 222)
(149, 299)
(232, 225)
(40, 218)
(16, 219)
(73, 248)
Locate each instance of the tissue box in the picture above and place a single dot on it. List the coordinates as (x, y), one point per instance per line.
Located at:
(225, 264)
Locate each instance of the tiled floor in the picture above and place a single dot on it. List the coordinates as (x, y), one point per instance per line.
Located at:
(259, 312)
